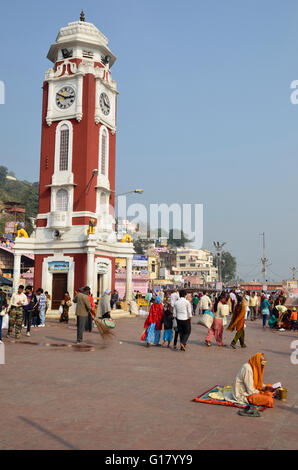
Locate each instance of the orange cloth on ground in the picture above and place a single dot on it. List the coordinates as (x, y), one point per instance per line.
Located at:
(294, 316)
(262, 399)
(258, 370)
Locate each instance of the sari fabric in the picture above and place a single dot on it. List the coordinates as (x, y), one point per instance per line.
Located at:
(258, 370)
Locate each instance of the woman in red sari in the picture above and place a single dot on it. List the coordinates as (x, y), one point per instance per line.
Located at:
(153, 322)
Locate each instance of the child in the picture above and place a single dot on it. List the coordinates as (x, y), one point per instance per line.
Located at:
(168, 325)
(293, 319)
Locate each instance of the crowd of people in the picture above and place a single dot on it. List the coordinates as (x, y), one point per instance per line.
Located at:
(25, 308)
(174, 312)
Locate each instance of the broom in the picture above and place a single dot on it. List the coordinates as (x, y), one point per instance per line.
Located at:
(104, 331)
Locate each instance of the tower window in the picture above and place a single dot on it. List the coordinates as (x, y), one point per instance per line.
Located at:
(64, 145)
(104, 152)
(62, 200)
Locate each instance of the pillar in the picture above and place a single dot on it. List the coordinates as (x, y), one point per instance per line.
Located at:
(16, 271)
(90, 269)
(128, 278)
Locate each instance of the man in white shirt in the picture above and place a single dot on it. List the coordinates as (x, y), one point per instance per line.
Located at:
(174, 297)
(182, 313)
(15, 310)
(205, 303)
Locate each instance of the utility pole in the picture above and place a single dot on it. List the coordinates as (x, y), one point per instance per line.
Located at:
(264, 260)
(218, 247)
(294, 273)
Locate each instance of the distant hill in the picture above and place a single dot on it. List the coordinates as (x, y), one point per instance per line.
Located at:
(18, 191)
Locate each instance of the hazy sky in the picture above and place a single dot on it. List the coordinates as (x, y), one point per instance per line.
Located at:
(204, 111)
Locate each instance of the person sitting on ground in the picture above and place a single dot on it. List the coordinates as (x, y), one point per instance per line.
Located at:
(282, 311)
(249, 388)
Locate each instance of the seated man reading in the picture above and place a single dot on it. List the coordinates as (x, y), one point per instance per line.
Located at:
(248, 387)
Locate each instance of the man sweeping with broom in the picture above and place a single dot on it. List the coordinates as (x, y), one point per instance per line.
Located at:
(83, 308)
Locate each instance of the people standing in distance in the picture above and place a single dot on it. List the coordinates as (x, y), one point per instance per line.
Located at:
(83, 308)
(28, 309)
(15, 309)
(91, 314)
(265, 310)
(65, 304)
(233, 298)
(3, 306)
(42, 305)
(114, 299)
(253, 304)
(195, 301)
(182, 313)
(167, 324)
(174, 297)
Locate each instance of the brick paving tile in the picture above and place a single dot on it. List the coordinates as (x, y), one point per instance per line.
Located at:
(123, 395)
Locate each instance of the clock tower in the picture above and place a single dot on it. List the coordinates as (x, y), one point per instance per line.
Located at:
(75, 243)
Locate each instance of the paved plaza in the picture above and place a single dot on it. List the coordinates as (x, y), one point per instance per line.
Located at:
(122, 395)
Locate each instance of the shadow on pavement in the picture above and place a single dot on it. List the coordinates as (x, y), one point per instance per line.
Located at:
(48, 433)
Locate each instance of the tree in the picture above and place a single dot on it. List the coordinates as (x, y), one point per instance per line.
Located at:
(229, 265)
(177, 238)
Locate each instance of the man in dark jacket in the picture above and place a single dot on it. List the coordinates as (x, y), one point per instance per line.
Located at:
(83, 308)
(29, 308)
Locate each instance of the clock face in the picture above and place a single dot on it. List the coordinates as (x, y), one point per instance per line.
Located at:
(65, 97)
(104, 102)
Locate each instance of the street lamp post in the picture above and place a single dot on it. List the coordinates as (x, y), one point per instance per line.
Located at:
(218, 247)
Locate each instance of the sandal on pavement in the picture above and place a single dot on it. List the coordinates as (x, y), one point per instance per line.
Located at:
(249, 412)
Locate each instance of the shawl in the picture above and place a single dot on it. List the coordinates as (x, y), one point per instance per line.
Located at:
(155, 316)
(258, 370)
(104, 305)
(238, 318)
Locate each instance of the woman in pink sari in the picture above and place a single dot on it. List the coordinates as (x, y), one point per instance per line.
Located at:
(222, 311)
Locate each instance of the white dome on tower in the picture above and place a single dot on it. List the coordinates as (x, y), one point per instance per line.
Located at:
(80, 34)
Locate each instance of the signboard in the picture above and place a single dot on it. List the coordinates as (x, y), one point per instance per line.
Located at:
(218, 286)
(292, 284)
(140, 261)
(58, 267)
(265, 288)
(102, 267)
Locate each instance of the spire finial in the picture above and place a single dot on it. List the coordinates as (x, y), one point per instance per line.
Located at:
(82, 17)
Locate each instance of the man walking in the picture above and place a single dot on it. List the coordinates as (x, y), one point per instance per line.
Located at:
(205, 302)
(29, 308)
(83, 308)
(15, 309)
(42, 304)
(253, 306)
(182, 312)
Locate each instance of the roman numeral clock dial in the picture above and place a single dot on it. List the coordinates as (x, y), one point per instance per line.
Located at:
(65, 97)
